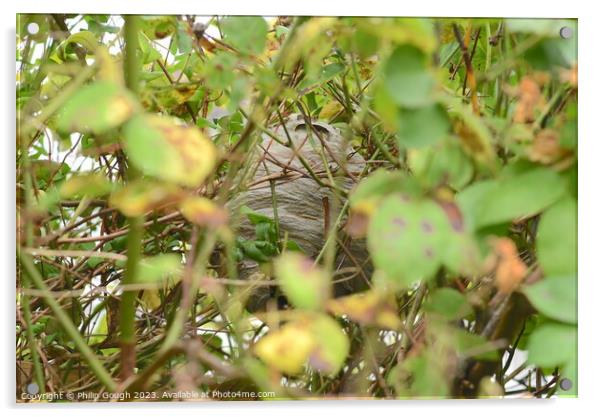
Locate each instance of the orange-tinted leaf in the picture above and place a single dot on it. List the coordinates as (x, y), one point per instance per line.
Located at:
(140, 197)
(203, 212)
(546, 147)
(370, 307)
(510, 269)
(529, 98)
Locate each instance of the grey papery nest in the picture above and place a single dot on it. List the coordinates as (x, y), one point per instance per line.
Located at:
(306, 209)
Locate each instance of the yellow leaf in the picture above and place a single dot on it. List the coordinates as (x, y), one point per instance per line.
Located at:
(140, 197)
(370, 307)
(288, 348)
(203, 212)
(151, 299)
(316, 338)
(330, 110)
(91, 185)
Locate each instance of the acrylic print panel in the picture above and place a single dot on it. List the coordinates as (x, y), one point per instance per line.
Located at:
(256, 208)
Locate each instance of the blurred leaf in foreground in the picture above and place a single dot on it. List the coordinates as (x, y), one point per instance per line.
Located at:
(306, 285)
(315, 338)
(164, 148)
(97, 108)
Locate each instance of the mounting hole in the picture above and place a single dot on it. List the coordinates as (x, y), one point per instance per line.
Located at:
(566, 32)
(32, 388)
(566, 384)
(33, 28)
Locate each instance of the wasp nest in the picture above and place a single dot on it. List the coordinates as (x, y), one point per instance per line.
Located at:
(300, 167)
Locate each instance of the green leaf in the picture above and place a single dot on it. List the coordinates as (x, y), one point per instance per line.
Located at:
(377, 185)
(90, 185)
(254, 217)
(247, 34)
(281, 30)
(304, 284)
(159, 268)
(96, 108)
(556, 297)
(407, 238)
(332, 345)
(551, 53)
(365, 43)
(407, 77)
(84, 38)
(448, 304)
(422, 127)
(474, 345)
(293, 246)
(524, 194)
(445, 163)
(327, 73)
(219, 72)
(183, 39)
(557, 239)
(421, 376)
(252, 251)
(149, 54)
(164, 148)
(266, 231)
(553, 345)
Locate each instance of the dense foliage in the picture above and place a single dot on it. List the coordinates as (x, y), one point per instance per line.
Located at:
(135, 132)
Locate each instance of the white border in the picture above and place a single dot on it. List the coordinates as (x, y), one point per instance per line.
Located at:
(590, 230)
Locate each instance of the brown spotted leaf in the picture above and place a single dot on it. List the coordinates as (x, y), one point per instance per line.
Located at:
(407, 238)
(306, 285)
(164, 148)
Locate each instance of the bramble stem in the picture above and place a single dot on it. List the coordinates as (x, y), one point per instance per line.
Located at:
(65, 321)
(127, 315)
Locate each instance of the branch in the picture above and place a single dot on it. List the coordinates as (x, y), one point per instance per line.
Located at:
(80, 344)
(472, 81)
